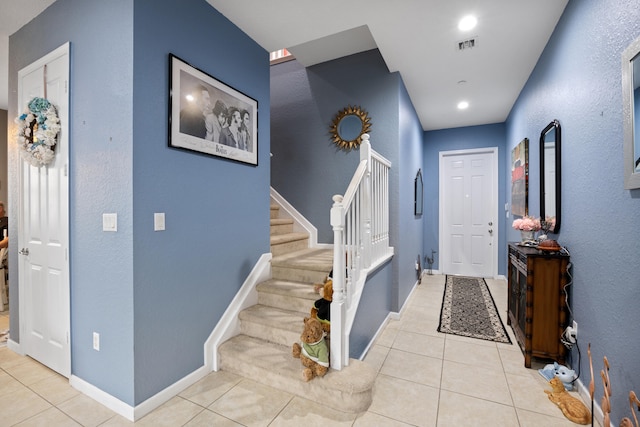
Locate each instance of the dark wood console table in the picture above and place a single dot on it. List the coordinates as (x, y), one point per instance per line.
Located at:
(536, 301)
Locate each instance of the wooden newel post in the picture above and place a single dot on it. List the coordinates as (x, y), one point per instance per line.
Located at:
(338, 303)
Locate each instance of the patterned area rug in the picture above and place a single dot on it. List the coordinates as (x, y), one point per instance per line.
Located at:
(3, 337)
(468, 310)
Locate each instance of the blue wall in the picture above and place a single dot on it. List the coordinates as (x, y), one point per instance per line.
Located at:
(307, 167)
(100, 177)
(217, 211)
(407, 226)
(462, 139)
(163, 291)
(578, 81)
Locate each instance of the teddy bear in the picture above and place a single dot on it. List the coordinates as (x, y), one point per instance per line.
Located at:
(321, 309)
(312, 350)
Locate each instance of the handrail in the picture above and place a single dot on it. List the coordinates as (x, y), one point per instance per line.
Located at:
(360, 221)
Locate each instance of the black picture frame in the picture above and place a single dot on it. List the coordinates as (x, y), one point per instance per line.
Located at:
(418, 194)
(224, 125)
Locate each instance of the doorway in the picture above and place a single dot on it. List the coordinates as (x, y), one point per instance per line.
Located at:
(43, 225)
(469, 212)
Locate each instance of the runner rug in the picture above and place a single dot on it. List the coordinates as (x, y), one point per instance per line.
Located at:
(468, 310)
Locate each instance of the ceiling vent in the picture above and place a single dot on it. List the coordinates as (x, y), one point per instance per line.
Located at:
(467, 44)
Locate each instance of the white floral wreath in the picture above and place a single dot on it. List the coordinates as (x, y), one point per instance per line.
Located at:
(38, 129)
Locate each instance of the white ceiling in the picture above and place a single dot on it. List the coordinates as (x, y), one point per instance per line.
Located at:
(14, 14)
(417, 38)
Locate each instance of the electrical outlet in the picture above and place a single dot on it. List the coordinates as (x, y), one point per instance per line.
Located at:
(96, 341)
(575, 329)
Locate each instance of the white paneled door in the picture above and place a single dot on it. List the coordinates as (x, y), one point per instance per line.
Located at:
(43, 231)
(468, 212)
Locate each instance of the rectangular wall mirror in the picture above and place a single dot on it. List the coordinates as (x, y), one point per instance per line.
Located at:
(418, 194)
(550, 144)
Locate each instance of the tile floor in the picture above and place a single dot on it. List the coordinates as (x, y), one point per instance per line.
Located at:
(425, 379)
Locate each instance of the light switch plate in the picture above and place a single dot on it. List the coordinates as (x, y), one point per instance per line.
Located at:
(158, 221)
(109, 222)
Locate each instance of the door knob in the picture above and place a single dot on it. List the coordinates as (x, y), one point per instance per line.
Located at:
(24, 251)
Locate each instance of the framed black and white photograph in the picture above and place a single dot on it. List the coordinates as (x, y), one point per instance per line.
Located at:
(209, 117)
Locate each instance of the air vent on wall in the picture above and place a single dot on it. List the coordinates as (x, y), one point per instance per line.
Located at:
(467, 44)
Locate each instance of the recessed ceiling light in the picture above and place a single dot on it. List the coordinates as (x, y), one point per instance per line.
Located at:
(467, 23)
(463, 105)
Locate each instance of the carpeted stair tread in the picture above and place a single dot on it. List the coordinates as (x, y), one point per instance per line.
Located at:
(277, 239)
(281, 221)
(347, 390)
(287, 295)
(310, 259)
(274, 317)
(289, 289)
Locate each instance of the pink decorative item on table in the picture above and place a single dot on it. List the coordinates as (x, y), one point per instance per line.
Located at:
(528, 226)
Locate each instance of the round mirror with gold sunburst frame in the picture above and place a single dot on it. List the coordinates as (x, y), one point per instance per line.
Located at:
(348, 126)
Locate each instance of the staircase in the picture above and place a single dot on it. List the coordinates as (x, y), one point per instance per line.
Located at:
(262, 352)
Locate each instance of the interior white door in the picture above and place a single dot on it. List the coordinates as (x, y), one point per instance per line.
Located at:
(44, 225)
(468, 212)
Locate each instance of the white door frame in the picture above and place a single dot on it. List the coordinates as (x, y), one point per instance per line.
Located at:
(441, 197)
(65, 318)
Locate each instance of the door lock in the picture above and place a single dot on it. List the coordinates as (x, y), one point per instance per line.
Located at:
(24, 251)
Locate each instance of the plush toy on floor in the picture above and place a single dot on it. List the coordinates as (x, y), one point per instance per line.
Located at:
(312, 351)
(564, 374)
(321, 309)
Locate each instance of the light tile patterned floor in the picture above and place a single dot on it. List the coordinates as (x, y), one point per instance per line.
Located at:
(425, 379)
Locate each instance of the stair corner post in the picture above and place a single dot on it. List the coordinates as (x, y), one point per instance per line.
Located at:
(338, 345)
(365, 154)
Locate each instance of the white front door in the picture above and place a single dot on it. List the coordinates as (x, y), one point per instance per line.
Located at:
(468, 212)
(43, 231)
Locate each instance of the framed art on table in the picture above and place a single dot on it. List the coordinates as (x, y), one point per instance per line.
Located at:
(210, 117)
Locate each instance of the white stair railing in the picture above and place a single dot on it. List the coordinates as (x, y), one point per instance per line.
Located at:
(360, 221)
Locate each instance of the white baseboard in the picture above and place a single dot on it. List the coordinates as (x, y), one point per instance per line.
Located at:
(583, 391)
(229, 324)
(102, 397)
(135, 413)
(15, 347)
(392, 315)
(227, 327)
(380, 330)
(300, 223)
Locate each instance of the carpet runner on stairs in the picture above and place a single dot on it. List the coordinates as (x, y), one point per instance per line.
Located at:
(262, 351)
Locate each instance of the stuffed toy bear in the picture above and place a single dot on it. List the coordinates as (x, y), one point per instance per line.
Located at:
(312, 351)
(321, 309)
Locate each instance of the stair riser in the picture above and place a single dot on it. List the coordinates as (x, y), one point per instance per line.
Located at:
(275, 212)
(270, 334)
(281, 229)
(297, 274)
(346, 402)
(285, 302)
(285, 248)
